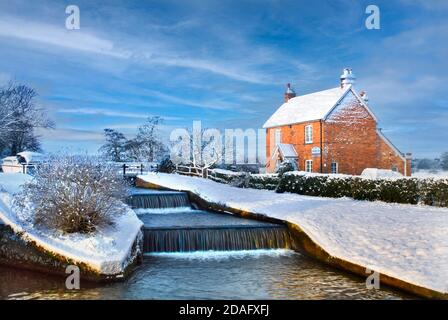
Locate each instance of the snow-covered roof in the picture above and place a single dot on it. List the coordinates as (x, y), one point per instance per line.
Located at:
(309, 107)
(31, 156)
(287, 150)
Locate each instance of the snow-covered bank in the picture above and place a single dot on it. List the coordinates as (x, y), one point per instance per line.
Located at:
(107, 252)
(406, 242)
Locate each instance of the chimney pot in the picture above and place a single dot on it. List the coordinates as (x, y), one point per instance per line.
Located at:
(289, 93)
(347, 77)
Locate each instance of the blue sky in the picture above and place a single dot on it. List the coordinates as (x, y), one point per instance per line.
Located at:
(225, 63)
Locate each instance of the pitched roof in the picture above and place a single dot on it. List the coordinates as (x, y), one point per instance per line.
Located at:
(287, 150)
(309, 107)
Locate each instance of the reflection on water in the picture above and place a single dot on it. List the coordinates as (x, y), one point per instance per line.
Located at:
(260, 274)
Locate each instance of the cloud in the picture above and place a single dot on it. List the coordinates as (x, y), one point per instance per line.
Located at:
(65, 134)
(218, 105)
(4, 78)
(216, 67)
(111, 113)
(58, 36)
(80, 40)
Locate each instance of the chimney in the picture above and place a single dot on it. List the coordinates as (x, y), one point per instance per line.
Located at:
(347, 78)
(289, 93)
(364, 97)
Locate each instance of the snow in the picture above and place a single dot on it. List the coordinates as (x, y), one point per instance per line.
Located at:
(436, 174)
(226, 172)
(403, 241)
(315, 106)
(107, 251)
(308, 107)
(287, 150)
(31, 157)
(374, 173)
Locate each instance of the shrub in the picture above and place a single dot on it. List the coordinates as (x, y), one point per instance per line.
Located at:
(405, 190)
(263, 181)
(74, 194)
(286, 166)
(166, 166)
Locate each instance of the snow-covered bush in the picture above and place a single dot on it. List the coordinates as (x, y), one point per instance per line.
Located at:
(74, 194)
(166, 166)
(264, 181)
(286, 166)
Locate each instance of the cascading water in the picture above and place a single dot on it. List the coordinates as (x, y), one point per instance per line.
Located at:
(222, 239)
(158, 200)
(170, 225)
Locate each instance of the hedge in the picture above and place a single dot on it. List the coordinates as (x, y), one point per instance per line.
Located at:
(405, 190)
(429, 191)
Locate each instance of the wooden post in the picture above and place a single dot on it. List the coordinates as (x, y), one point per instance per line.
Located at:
(141, 168)
(124, 169)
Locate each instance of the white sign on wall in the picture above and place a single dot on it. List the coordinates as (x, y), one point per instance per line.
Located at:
(315, 151)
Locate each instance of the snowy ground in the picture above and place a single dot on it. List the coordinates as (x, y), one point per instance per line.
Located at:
(430, 174)
(107, 251)
(403, 241)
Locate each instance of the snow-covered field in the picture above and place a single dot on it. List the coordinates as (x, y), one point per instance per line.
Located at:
(406, 242)
(430, 174)
(107, 251)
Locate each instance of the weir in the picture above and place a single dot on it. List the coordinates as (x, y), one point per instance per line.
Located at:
(187, 230)
(158, 200)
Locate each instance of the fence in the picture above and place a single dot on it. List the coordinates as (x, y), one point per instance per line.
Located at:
(133, 169)
(193, 171)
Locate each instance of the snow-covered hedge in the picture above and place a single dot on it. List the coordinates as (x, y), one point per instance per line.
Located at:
(405, 190)
(399, 190)
(246, 180)
(264, 181)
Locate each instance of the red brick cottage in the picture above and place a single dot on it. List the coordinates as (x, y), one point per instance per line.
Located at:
(330, 131)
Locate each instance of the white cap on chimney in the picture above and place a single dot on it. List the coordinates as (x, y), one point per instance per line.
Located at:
(347, 77)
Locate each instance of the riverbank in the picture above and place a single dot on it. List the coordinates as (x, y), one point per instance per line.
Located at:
(105, 255)
(406, 244)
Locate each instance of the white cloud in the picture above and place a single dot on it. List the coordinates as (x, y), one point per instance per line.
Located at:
(58, 36)
(111, 113)
(65, 134)
(4, 78)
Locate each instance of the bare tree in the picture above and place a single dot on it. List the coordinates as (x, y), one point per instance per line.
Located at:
(147, 145)
(114, 148)
(19, 118)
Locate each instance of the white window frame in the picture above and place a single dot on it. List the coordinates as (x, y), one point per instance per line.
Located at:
(277, 136)
(337, 167)
(309, 165)
(309, 133)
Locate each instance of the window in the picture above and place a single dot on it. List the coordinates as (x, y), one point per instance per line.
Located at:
(278, 136)
(334, 167)
(309, 165)
(394, 168)
(309, 134)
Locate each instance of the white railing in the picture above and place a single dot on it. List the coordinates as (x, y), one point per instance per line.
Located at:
(193, 171)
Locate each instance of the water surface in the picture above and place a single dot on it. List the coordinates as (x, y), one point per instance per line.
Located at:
(256, 274)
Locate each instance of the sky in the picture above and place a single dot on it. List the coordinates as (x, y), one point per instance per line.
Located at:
(225, 63)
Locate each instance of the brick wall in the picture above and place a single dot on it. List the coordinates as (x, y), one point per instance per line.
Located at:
(295, 135)
(350, 139)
